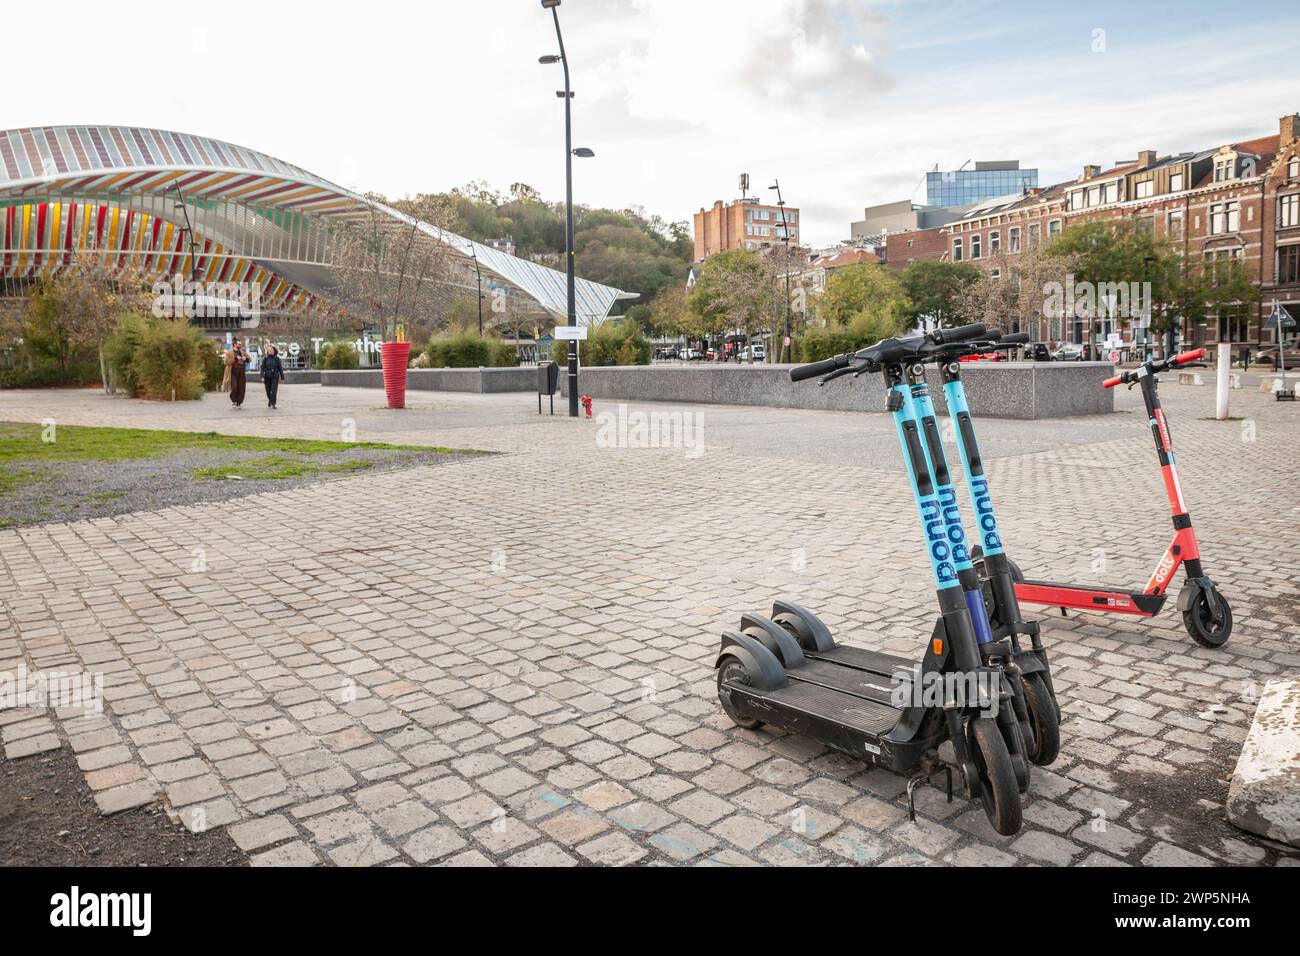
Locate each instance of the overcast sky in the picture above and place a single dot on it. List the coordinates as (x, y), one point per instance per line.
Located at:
(849, 102)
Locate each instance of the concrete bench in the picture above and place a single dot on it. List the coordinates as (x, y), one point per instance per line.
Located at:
(1190, 378)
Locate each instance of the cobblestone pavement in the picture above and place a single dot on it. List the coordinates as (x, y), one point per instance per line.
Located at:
(508, 660)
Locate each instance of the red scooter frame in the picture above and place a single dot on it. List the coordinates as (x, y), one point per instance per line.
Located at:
(1206, 613)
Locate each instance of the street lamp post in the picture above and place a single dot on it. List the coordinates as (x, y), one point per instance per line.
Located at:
(474, 251)
(785, 238)
(569, 152)
(189, 230)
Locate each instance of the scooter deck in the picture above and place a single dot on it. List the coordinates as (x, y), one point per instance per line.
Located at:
(843, 698)
(1084, 598)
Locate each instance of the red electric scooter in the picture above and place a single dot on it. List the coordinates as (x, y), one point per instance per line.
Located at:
(1206, 613)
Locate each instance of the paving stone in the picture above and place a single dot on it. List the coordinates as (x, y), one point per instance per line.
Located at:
(255, 834)
(291, 854)
(127, 797)
(432, 843)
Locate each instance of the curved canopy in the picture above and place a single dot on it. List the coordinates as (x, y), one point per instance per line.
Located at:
(252, 212)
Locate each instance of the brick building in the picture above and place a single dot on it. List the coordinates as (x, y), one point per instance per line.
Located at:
(1239, 201)
(743, 224)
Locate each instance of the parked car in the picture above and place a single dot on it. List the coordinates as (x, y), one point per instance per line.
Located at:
(1069, 352)
(692, 355)
(1038, 352)
(760, 353)
(1268, 356)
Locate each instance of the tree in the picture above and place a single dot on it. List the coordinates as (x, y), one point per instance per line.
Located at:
(866, 296)
(737, 290)
(933, 286)
(1020, 296)
(387, 271)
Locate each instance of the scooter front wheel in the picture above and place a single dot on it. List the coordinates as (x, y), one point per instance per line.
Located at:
(1201, 625)
(1045, 744)
(997, 778)
(734, 672)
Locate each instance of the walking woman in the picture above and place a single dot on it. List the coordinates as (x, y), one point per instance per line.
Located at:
(237, 358)
(272, 373)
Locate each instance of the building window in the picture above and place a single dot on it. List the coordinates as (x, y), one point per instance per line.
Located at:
(1145, 189)
(1053, 228)
(1288, 265)
(975, 246)
(1111, 193)
(956, 250)
(1293, 168)
(1225, 169)
(996, 275)
(995, 242)
(1035, 233)
(909, 243)
(1076, 199)
(1175, 182)
(1013, 239)
(1225, 217)
(1175, 225)
(1288, 211)
(1094, 196)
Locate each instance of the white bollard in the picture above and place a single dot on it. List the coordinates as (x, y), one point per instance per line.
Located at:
(1225, 364)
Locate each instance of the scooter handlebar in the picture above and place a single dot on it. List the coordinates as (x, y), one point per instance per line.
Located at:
(1186, 357)
(1015, 338)
(817, 369)
(962, 333)
(1112, 382)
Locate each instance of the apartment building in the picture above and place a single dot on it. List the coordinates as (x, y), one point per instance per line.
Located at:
(743, 224)
(1237, 201)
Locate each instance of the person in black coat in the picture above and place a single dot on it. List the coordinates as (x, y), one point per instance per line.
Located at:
(272, 374)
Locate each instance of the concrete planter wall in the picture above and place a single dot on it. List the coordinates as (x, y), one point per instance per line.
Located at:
(1024, 390)
(478, 380)
(996, 389)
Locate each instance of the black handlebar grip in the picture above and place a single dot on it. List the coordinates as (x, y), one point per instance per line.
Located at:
(962, 333)
(1015, 338)
(817, 369)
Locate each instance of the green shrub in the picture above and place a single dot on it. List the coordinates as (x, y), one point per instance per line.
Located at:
(863, 330)
(158, 359)
(213, 362)
(80, 372)
(468, 349)
(339, 355)
(618, 339)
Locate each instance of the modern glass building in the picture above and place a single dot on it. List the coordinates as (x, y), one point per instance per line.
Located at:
(144, 206)
(961, 187)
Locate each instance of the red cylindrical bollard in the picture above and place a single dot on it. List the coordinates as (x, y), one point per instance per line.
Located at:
(395, 356)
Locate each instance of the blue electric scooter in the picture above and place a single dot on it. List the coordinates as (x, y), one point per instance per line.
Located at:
(788, 671)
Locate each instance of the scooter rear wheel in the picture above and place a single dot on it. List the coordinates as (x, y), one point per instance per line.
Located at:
(1200, 624)
(1045, 745)
(998, 790)
(734, 672)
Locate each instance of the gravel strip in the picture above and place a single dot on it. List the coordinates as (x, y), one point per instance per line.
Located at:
(73, 490)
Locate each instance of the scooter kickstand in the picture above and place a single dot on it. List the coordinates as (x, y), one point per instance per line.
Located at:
(918, 780)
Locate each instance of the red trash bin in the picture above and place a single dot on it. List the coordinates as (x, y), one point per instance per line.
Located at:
(395, 355)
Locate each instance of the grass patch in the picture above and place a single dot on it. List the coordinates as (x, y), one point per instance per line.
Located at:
(23, 443)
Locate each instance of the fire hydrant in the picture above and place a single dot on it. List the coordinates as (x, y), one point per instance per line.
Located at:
(586, 403)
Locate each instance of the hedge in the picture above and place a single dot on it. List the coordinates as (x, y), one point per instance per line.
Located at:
(470, 350)
(619, 340)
